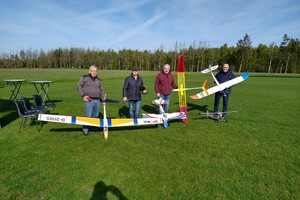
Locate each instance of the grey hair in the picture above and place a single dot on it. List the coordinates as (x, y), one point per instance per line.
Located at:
(92, 67)
(167, 66)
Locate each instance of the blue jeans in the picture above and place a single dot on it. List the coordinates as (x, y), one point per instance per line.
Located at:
(218, 96)
(165, 106)
(92, 109)
(134, 108)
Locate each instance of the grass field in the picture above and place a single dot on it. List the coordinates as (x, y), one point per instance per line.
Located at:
(255, 155)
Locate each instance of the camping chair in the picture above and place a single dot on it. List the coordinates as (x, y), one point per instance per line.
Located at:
(39, 102)
(22, 113)
(29, 107)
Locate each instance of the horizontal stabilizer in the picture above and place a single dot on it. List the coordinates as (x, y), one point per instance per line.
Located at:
(210, 69)
(159, 102)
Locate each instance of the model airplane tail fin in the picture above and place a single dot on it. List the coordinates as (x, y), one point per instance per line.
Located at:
(204, 86)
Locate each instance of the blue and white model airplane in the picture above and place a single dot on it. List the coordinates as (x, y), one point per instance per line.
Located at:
(219, 87)
(165, 117)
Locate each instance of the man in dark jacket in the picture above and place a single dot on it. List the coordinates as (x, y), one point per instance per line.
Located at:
(222, 76)
(163, 85)
(132, 89)
(91, 90)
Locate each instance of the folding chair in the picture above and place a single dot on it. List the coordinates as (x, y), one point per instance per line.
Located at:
(39, 102)
(22, 113)
(29, 107)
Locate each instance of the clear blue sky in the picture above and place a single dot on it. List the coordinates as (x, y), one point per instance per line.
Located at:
(143, 24)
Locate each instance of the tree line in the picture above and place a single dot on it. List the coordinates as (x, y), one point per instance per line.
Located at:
(270, 58)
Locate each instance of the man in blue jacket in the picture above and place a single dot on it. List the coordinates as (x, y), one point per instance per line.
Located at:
(132, 89)
(222, 76)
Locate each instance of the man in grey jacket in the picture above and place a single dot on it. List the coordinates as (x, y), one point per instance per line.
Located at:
(91, 90)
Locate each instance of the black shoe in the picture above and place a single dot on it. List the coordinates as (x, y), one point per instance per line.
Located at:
(85, 132)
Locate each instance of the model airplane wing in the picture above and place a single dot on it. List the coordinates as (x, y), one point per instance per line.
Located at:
(96, 121)
(195, 88)
(169, 116)
(217, 113)
(220, 87)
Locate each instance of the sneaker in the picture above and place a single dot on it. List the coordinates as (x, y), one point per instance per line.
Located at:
(85, 132)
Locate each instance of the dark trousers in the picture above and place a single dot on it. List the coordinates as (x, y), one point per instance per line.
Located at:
(218, 96)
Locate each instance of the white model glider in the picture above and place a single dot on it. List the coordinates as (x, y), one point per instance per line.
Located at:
(165, 117)
(220, 87)
(105, 123)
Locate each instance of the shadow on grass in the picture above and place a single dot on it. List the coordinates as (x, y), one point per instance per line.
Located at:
(97, 129)
(150, 109)
(192, 106)
(124, 112)
(101, 190)
(75, 129)
(8, 118)
(10, 112)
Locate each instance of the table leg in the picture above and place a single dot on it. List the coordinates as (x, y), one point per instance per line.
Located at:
(42, 89)
(15, 90)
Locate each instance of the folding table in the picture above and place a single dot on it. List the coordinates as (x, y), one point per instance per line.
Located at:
(14, 86)
(42, 87)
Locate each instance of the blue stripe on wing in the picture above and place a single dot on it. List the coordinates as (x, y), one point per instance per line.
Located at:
(73, 120)
(109, 122)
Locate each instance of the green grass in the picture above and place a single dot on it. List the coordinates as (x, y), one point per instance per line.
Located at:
(253, 156)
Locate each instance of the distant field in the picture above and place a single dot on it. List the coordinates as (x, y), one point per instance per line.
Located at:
(255, 155)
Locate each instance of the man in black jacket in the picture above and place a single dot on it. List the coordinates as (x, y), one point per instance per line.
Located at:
(222, 76)
(132, 89)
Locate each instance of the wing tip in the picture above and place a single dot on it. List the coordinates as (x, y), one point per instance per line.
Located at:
(194, 97)
(246, 75)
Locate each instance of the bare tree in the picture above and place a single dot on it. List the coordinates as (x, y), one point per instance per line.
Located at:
(243, 46)
(271, 55)
(286, 50)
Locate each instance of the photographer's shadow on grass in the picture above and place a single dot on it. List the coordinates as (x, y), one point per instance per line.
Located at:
(101, 191)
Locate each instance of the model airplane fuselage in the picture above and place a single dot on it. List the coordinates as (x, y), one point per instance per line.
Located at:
(165, 117)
